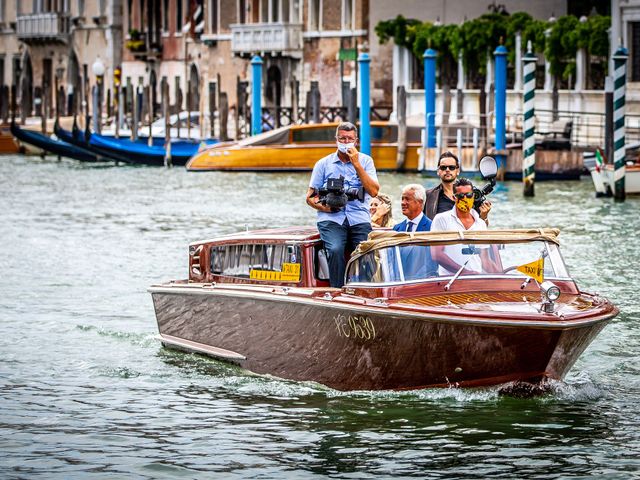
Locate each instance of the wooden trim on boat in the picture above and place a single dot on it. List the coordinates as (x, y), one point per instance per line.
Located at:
(554, 322)
(200, 347)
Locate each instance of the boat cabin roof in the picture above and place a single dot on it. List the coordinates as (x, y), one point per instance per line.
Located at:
(279, 235)
(386, 238)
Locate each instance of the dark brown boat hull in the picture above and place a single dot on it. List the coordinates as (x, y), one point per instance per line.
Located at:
(357, 348)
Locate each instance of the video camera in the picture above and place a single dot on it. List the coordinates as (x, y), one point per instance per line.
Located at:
(488, 170)
(335, 196)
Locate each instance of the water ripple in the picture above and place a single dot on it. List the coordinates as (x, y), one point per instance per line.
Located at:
(87, 391)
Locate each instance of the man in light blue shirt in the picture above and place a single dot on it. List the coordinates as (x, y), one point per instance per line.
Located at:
(347, 226)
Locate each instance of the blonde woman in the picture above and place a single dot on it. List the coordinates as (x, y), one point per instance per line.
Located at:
(380, 208)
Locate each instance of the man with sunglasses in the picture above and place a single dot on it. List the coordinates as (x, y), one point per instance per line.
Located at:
(440, 198)
(344, 229)
(462, 217)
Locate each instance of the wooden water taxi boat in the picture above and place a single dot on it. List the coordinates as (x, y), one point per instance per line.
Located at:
(262, 300)
(299, 147)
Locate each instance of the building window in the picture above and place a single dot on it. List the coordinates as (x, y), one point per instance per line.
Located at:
(129, 13)
(634, 30)
(213, 16)
(242, 11)
(2, 10)
(165, 16)
(315, 15)
(296, 13)
(264, 11)
(347, 15)
(179, 16)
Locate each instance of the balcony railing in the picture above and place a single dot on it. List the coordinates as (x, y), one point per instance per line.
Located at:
(282, 38)
(43, 27)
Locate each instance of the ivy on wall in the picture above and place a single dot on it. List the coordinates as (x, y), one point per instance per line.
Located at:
(558, 40)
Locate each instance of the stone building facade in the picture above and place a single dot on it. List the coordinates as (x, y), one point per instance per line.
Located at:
(49, 43)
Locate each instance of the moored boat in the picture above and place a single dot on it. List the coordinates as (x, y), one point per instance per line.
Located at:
(603, 172)
(262, 300)
(299, 147)
(52, 145)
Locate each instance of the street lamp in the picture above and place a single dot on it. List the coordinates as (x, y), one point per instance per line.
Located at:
(98, 69)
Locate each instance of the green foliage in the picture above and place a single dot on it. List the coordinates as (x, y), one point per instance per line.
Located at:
(474, 38)
(398, 29)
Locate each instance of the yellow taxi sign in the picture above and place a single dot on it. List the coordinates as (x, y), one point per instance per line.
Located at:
(290, 273)
(534, 270)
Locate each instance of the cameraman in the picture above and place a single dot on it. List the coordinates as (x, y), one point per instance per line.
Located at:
(440, 198)
(350, 225)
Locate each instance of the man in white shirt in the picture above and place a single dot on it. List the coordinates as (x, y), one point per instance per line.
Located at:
(462, 217)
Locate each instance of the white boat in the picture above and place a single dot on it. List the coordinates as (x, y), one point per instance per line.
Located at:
(177, 122)
(602, 173)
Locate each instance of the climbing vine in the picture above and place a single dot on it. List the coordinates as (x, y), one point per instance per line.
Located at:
(559, 40)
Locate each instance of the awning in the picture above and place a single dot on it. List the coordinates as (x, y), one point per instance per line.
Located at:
(388, 238)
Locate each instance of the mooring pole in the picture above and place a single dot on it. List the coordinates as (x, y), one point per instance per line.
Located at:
(500, 106)
(256, 95)
(619, 83)
(528, 140)
(429, 58)
(364, 62)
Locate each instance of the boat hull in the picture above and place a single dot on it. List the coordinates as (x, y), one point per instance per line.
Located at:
(603, 180)
(355, 347)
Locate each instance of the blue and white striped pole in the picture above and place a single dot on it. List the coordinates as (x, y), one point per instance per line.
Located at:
(365, 103)
(619, 84)
(256, 95)
(500, 106)
(429, 58)
(528, 143)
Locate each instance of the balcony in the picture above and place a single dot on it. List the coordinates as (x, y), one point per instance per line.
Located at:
(284, 39)
(42, 28)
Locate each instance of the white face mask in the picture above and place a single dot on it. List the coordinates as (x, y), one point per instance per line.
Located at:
(344, 147)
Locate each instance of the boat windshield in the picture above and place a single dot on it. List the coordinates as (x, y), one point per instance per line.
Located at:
(401, 263)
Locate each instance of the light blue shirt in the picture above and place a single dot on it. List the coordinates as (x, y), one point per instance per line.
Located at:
(332, 167)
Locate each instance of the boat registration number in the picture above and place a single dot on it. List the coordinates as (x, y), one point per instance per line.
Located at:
(355, 326)
(290, 273)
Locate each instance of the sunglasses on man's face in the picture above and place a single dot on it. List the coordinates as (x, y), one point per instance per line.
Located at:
(460, 196)
(448, 167)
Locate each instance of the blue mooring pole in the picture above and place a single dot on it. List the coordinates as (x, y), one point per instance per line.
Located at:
(364, 62)
(500, 105)
(528, 143)
(429, 58)
(619, 85)
(256, 95)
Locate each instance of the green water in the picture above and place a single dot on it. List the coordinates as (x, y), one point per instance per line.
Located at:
(87, 392)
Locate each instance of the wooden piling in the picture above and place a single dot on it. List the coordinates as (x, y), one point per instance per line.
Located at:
(167, 125)
(223, 116)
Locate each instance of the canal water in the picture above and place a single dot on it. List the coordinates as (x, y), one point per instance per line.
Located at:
(87, 392)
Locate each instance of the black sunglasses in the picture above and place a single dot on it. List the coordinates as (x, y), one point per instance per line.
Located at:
(448, 167)
(460, 196)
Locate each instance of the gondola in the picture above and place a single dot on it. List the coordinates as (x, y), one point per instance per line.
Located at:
(51, 145)
(128, 151)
